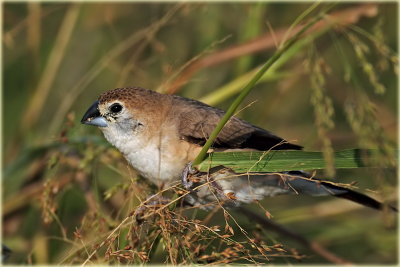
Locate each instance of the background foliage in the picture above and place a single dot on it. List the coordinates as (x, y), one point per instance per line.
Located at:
(67, 193)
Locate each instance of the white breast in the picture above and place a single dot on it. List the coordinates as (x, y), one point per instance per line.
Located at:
(150, 161)
(151, 158)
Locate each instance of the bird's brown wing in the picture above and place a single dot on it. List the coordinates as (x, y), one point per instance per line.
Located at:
(197, 120)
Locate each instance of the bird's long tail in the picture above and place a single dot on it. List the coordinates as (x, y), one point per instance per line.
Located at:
(320, 187)
(245, 188)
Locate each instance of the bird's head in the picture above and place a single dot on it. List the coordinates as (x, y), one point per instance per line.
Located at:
(119, 109)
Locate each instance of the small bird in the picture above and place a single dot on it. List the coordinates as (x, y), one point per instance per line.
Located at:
(160, 134)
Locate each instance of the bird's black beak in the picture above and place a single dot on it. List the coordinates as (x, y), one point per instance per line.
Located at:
(93, 116)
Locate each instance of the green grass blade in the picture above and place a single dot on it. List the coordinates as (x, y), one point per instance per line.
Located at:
(280, 160)
(246, 90)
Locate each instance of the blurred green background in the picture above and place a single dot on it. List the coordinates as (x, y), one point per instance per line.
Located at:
(338, 89)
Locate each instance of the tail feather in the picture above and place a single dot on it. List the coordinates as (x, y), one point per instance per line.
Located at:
(320, 187)
(358, 197)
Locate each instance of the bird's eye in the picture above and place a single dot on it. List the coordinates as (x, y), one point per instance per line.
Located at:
(115, 108)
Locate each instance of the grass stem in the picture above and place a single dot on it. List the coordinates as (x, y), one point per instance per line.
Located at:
(246, 90)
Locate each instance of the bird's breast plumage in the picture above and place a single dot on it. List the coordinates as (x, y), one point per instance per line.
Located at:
(159, 157)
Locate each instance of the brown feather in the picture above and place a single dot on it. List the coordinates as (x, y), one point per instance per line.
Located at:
(197, 120)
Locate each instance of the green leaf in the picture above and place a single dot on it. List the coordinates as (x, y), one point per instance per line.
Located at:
(281, 160)
(250, 85)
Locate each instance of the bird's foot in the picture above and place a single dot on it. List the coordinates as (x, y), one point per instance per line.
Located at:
(187, 171)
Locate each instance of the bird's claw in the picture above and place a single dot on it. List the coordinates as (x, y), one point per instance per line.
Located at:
(188, 170)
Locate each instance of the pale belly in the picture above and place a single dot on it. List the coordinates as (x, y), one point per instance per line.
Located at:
(160, 161)
(156, 165)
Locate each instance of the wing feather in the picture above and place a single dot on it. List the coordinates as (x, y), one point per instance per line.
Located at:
(197, 120)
